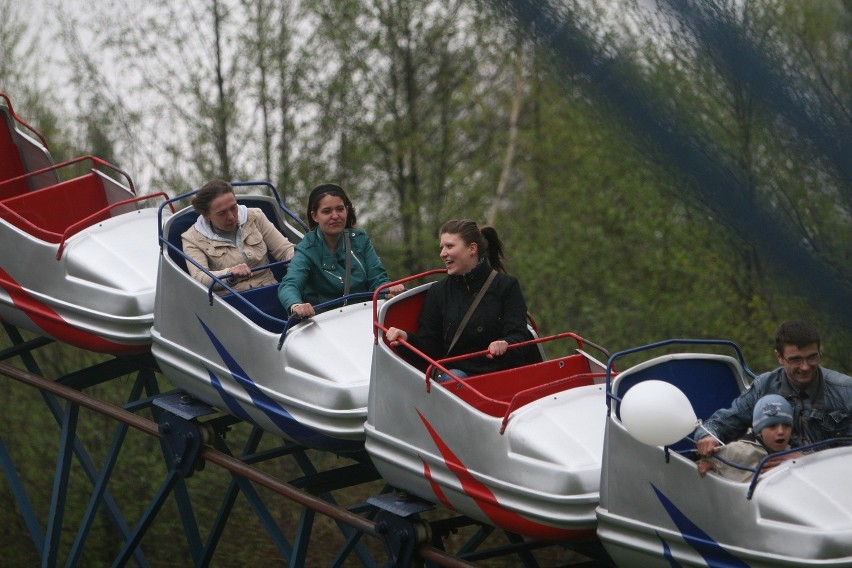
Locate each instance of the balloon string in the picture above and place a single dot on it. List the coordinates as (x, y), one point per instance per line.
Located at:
(712, 435)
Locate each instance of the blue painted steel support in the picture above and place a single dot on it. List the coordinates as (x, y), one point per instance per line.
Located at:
(401, 536)
(144, 379)
(24, 349)
(187, 515)
(148, 517)
(21, 348)
(405, 538)
(181, 459)
(227, 505)
(110, 506)
(240, 484)
(353, 539)
(475, 541)
(304, 528)
(525, 555)
(21, 498)
(53, 536)
(181, 440)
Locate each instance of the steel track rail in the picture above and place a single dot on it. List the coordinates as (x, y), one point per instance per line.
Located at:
(225, 461)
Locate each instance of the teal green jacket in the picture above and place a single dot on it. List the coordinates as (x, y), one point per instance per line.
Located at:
(315, 275)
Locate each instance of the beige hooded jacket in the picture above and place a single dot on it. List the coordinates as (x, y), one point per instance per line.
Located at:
(256, 236)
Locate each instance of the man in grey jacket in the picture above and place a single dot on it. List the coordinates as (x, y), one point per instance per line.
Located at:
(821, 398)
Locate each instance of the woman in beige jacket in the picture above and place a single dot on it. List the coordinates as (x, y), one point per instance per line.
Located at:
(232, 238)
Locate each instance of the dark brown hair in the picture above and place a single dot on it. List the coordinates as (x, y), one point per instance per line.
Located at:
(795, 332)
(321, 191)
(208, 192)
(488, 243)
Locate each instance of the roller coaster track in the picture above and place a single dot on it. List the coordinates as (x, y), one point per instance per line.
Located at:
(188, 444)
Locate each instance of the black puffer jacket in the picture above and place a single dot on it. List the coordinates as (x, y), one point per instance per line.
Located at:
(501, 314)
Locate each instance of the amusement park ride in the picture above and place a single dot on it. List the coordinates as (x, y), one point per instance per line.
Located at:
(543, 452)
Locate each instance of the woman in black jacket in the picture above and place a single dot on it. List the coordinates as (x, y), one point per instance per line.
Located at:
(471, 254)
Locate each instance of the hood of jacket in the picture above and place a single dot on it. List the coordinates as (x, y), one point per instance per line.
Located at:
(204, 227)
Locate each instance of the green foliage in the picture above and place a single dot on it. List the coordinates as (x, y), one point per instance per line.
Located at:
(407, 116)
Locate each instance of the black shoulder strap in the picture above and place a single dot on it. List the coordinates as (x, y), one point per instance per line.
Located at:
(471, 309)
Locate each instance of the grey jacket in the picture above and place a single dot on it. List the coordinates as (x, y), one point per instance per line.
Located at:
(829, 417)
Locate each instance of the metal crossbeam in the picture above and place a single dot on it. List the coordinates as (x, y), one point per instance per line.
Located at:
(311, 492)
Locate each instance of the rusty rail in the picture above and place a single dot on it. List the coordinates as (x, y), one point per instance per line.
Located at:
(221, 459)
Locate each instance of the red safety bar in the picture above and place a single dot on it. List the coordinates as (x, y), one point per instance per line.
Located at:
(95, 161)
(21, 121)
(380, 289)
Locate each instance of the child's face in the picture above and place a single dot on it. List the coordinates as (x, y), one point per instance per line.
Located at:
(777, 436)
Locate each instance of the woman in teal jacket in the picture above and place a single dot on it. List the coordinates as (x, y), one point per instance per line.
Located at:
(318, 271)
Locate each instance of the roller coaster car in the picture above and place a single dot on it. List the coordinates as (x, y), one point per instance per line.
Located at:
(79, 260)
(656, 511)
(24, 150)
(519, 449)
(305, 381)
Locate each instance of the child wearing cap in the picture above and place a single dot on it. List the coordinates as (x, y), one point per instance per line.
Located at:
(772, 426)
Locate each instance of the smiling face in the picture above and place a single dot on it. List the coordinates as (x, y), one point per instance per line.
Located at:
(457, 256)
(222, 213)
(330, 215)
(777, 436)
(800, 364)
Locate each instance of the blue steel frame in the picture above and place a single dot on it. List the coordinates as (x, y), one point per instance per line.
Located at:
(405, 537)
(47, 539)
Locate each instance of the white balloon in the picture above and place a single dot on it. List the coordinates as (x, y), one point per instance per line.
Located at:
(657, 413)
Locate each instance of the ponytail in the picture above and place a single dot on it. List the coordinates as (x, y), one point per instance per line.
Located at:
(487, 241)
